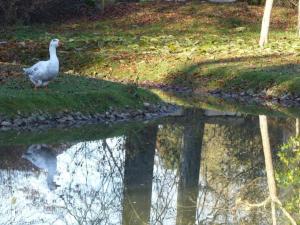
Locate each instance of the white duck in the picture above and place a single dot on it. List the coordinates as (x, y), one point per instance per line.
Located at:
(44, 71)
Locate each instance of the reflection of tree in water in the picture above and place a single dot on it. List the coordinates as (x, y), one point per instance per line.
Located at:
(242, 141)
(232, 157)
(189, 172)
(232, 162)
(271, 198)
(90, 191)
(94, 177)
(164, 191)
(176, 180)
(151, 175)
(138, 175)
(169, 142)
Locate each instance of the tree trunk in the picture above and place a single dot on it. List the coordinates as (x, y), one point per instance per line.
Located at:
(102, 6)
(265, 23)
(299, 18)
(297, 127)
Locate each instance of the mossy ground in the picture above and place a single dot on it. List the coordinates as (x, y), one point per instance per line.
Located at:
(200, 45)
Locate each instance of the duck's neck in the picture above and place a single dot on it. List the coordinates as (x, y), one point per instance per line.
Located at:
(52, 51)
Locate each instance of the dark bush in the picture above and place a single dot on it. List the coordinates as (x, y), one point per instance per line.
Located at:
(255, 2)
(32, 11)
(285, 3)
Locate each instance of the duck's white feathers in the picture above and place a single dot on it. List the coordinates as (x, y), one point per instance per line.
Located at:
(44, 71)
(37, 70)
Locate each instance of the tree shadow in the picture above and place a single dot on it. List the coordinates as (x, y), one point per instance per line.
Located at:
(238, 74)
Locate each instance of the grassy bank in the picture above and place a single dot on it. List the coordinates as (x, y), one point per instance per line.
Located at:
(70, 93)
(199, 45)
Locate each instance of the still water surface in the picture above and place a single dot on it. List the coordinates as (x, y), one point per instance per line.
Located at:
(205, 167)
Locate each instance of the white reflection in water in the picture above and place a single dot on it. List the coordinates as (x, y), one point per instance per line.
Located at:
(44, 158)
(164, 193)
(91, 174)
(90, 188)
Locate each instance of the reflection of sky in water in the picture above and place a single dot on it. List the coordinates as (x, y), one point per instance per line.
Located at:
(164, 194)
(90, 178)
(89, 175)
(90, 188)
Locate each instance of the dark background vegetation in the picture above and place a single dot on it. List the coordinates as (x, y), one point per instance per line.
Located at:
(32, 11)
(39, 11)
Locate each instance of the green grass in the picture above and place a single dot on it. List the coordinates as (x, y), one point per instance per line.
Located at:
(199, 45)
(71, 93)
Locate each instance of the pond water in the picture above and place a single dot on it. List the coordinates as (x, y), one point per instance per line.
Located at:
(206, 167)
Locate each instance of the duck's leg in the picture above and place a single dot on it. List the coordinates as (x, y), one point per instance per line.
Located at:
(35, 83)
(38, 84)
(45, 84)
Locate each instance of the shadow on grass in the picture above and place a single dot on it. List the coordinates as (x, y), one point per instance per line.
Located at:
(69, 93)
(229, 105)
(94, 44)
(239, 74)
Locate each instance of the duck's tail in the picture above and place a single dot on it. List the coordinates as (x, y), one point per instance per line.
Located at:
(26, 71)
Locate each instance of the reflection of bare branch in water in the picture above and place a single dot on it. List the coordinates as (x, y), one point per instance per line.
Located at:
(222, 173)
(115, 164)
(97, 198)
(165, 184)
(13, 208)
(210, 198)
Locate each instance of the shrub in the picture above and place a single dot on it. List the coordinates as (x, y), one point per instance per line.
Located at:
(286, 3)
(30, 11)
